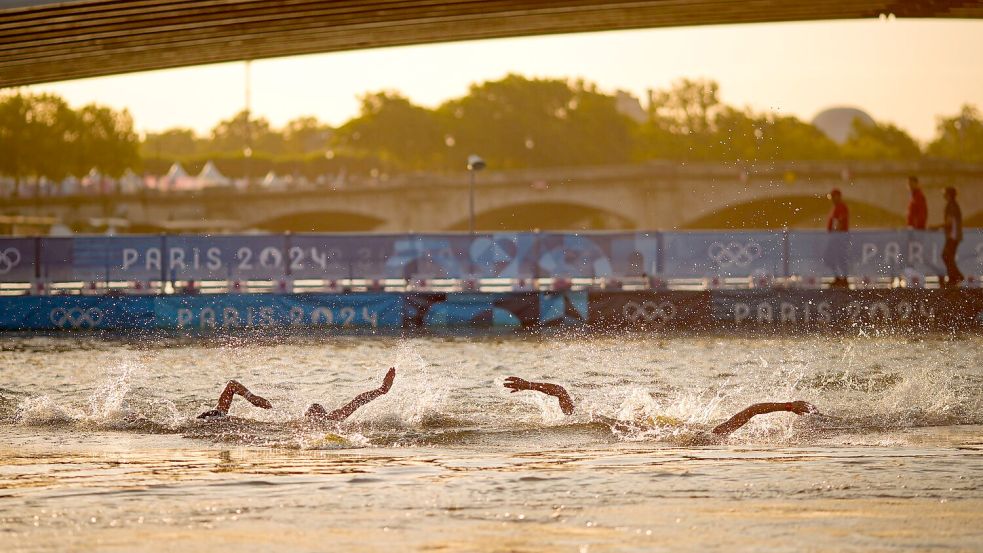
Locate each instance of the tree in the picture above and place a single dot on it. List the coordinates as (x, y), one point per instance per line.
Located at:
(234, 135)
(519, 122)
(306, 135)
(394, 129)
(39, 136)
(682, 122)
(960, 137)
(105, 140)
(171, 144)
(688, 121)
(688, 107)
(879, 141)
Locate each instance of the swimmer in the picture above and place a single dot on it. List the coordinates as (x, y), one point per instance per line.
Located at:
(516, 384)
(315, 412)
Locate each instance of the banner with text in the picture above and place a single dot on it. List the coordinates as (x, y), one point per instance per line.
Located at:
(17, 259)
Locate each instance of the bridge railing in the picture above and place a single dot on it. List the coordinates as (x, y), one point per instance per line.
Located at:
(609, 256)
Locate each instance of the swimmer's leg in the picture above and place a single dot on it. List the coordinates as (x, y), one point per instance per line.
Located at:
(742, 418)
(230, 391)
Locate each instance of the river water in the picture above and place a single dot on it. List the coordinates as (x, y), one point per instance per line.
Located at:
(100, 448)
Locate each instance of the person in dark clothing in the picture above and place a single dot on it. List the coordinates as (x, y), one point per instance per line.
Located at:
(953, 227)
(917, 207)
(838, 225)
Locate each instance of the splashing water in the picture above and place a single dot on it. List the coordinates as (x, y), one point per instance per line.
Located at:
(452, 387)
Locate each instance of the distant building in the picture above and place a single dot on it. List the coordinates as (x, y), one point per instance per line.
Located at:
(836, 123)
(628, 105)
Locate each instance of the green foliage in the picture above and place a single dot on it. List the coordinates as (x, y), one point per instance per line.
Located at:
(689, 122)
(41, 136)
(392, 128)
(513, 122)
(880, 141)
(173, 143)
(959, 137)
(517, 122)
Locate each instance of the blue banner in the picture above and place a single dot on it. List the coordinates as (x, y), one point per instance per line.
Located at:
(879, 253)
(725, 254)
(76, 313)
(102, 258)
(487, 255)
(949, 309)
(480, 310)
(320, 256)
(260, 257)
(503, 255)
(226, 311)
(17, 259)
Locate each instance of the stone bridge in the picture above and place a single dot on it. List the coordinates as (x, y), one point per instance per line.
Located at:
(655, 195)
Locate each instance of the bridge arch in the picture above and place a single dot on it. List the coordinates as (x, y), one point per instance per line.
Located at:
(319, 221)
(793, 212)
(547, 215)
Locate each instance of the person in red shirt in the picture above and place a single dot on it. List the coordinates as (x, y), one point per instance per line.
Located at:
(838, 224)
(839, 217)
(917, 207)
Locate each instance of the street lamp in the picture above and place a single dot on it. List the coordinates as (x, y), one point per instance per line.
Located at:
(475, 164)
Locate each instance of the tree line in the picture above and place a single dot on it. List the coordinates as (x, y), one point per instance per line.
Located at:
(514, 122)
(41, 136)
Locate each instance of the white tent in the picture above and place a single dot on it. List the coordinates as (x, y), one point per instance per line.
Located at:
(273, 182)
(178, 179)
(130, 182)
(176, 172)
(210, 176)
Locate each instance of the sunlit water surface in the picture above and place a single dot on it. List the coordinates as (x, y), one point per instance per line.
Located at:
(100, 448)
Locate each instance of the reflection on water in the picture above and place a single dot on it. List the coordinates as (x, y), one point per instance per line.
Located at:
(99, 447)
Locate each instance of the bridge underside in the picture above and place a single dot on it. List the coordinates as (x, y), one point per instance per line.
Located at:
(44, 41)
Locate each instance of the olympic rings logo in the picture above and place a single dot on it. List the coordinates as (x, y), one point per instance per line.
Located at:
(9, 258)
(735, 253)
(76, 317)
(649, 312)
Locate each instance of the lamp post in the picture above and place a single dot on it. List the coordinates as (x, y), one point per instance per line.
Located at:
(475, 164)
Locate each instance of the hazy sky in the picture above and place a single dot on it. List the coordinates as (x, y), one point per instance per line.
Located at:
(902, 71)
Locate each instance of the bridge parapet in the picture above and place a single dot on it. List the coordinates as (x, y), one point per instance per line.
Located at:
(655, 194)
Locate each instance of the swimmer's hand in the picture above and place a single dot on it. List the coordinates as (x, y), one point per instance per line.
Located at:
(803, 408)
(212, 414)
(517, 384)
(387, 381)
(258, 401)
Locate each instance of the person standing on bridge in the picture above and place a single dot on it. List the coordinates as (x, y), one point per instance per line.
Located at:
(917, 207)
(953, 227)
(838, 225)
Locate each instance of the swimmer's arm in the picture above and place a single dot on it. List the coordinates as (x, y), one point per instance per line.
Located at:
(344, 412)
(517, 384)
(742, 418)
(232, 389)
